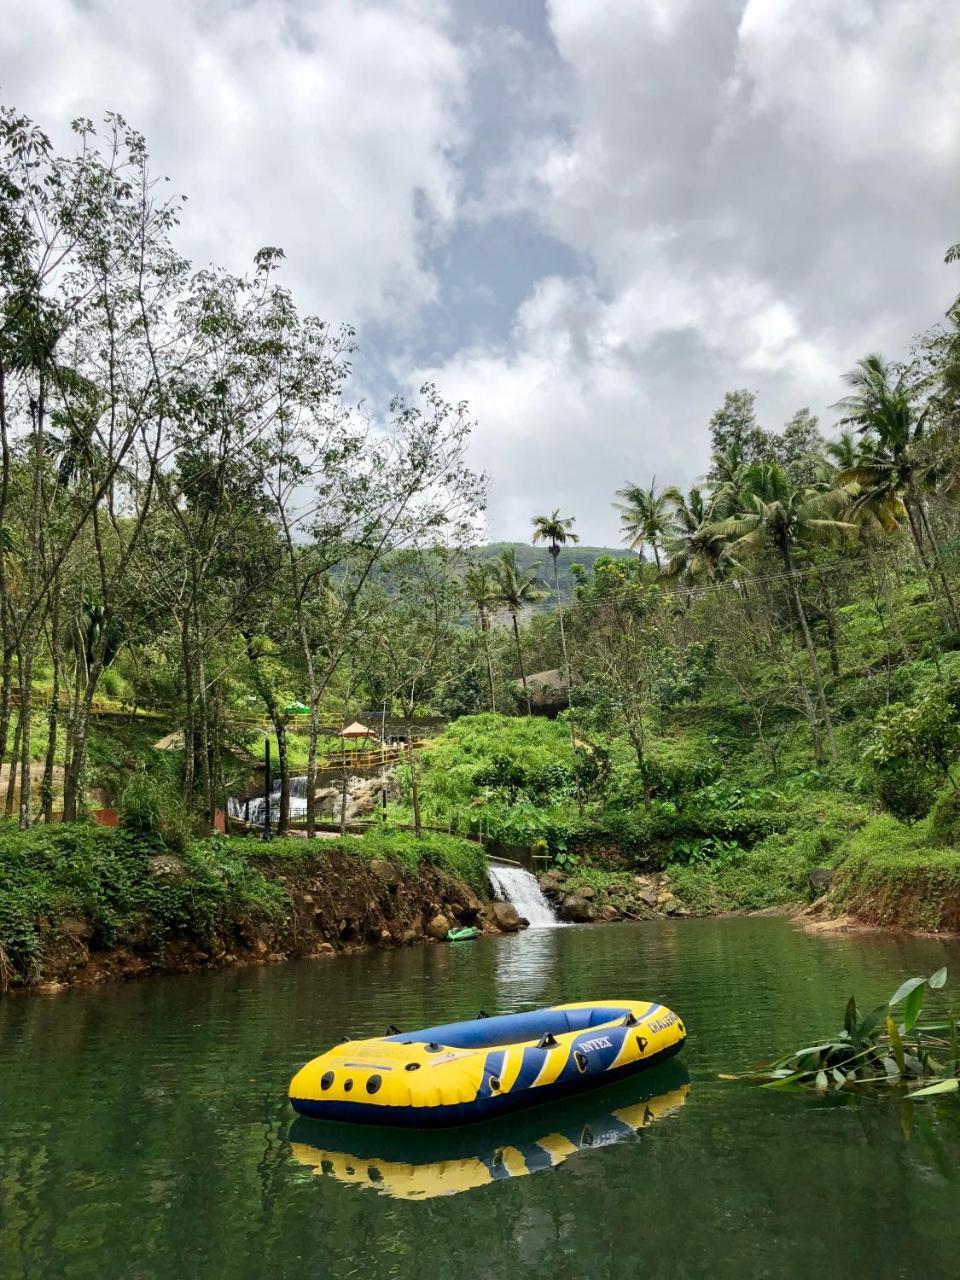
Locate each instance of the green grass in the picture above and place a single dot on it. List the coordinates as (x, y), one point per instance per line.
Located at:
(892, 876)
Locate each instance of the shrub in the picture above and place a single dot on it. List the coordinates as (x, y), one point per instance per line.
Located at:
(904, 788)
(944, 825)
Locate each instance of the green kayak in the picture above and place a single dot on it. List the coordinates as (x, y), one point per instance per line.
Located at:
(463, 935)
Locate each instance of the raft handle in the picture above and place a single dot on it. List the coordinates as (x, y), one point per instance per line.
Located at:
(392, 1030)
(547, 1041)
(482, 1014)
(581, 1060)
(412, 1066)
(630, 1020)
(642, 1043)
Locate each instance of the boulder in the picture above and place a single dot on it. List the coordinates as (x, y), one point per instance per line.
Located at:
(670, 904)
(549, 883)
(165, 866)
(409, 936)
(385, 871)
(471, 903)
(820, 879)
(77, 929)
(609, 912)
(438, 927)
(587, 892)
(506, 916)
(577, 909)
(648, 897)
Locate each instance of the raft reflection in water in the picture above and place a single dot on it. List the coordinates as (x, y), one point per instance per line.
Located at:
(420, 1165)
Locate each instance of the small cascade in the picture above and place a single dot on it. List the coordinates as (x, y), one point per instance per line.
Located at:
(517, 885)
(363, 796)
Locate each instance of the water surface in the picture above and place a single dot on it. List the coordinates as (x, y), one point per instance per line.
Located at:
(144, 1131)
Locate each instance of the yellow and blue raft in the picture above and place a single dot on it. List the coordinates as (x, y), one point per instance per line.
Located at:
(403, 1165)
(477, 1070)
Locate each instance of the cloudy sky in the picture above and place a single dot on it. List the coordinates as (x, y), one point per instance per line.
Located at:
(590, 218)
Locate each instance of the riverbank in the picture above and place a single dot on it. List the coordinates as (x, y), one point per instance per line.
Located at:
(82, 904)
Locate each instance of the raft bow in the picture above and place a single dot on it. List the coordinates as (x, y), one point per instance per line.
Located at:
(467, 1071)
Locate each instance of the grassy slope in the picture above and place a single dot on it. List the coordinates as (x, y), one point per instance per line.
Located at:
(731, 835)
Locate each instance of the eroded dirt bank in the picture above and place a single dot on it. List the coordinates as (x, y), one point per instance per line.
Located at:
(339, 905)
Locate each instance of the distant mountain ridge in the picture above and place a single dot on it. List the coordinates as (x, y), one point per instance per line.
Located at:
(528, 555)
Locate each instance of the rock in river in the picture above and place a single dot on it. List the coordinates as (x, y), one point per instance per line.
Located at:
(577, 909)
(506, 916)
(438, 927)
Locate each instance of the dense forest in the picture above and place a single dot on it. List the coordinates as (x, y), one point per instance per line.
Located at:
(199, 530)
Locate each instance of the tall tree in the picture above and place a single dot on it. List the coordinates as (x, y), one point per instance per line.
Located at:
(697, 549)
(734, 427)
(781, 515)
(480, 588)
(556, 531)
(517, 589)
(894, 464)
(644, 517)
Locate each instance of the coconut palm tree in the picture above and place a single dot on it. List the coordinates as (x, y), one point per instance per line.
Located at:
(781, 515)
(894, 467)
(728, 479)
(644, 517)
(516, 589)
(480, 588)
(556, 531)
(844, 453)
(695, 548)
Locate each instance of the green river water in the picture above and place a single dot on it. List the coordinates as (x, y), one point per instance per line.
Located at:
(144, 1130)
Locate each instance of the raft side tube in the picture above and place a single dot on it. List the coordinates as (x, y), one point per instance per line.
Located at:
(456, 1073)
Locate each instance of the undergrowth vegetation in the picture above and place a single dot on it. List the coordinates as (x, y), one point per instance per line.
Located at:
(126, 886)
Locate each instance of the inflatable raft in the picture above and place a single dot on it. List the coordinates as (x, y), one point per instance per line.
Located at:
(404, 1165)
(467, 1071)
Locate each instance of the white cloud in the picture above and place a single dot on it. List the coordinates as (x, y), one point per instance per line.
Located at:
(329, 129)
(740, 192)
(764, 189)
(864, 80)
(590, 393)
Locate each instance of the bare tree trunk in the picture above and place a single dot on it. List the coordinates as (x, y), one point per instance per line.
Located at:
(25, 664)
(811, 650)
(6, 697)
(484, 623)
(523, 674)
(568, 680)
(343, 786)
(12, 775)
(941, 567)
(46, 785)
(276, 719)
(203, 707)
(414, 784)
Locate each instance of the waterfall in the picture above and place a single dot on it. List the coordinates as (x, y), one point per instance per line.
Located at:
(517, 885)
(298, 803)
(363, 796)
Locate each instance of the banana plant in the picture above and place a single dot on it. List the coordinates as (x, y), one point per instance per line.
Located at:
(887, 1046)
